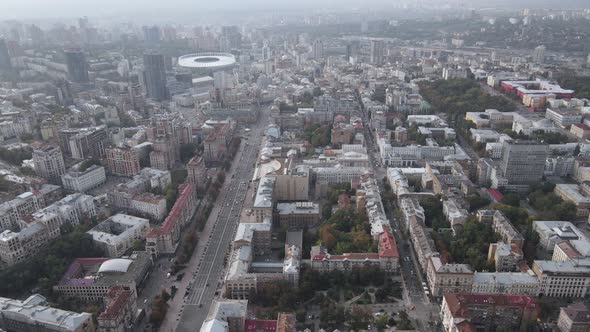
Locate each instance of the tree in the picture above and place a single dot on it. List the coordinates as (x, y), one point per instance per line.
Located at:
(404, 321)
(381, 322)
(511, 199)
(359, 318)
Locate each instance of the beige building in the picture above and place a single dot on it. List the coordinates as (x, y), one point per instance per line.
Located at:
(448, 278)
(292, 187)
(505, 257)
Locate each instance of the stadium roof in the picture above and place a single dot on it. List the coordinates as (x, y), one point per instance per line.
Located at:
(207, 61)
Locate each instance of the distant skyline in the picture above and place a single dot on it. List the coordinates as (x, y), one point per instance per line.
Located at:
(35, 9)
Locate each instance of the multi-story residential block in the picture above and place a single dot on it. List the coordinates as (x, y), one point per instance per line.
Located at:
(227, 314)
(505, 257)
(502, 226)
(89, 279)
(118, 233)
(505, 283)
(34, 314)
(149, 205)
(82, 180)
(574, 318)
(122, 161)
(448, 278)
(36, 230)
(49, 162)
(553, 232)
(572, 193)
(562, 279)
(255, 235)
(298, 215)
(120, 310)
(84, 143)
(264, 200)
(487, 312)
(164, 238)
(422, 243)
(293, 186)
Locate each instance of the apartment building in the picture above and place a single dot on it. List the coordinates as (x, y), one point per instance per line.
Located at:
(487, 312)
(298, 215)
(49, 162)
(574, 318)
(505, 257)
(149, 205)
(448, 278)
(118, 233)
(120, 310)
(505, 283)
(122, 161)
(502, 226)
(34, 314)
(164, 238)
(82, 180)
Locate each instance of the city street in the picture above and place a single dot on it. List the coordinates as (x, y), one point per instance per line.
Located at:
(203, 277)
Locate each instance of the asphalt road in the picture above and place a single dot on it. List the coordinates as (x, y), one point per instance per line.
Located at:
(207, 277)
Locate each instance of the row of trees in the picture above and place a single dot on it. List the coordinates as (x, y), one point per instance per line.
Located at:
(159, 308)
(318, 136)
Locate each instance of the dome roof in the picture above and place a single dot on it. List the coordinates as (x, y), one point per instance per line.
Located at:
(115, 265)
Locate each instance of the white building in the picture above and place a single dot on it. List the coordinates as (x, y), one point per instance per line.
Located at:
(505, 283)
(118, 233)
(552, 232)
(149, 205)
(33, 314)
(81, 181)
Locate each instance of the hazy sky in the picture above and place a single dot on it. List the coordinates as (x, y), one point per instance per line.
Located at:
(16, 9)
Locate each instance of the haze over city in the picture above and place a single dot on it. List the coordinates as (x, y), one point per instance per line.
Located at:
(283, 166)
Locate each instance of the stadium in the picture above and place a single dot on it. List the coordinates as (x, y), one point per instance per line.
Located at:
(207, 61)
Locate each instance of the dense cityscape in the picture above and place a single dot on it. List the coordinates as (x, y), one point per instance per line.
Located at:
(422, 165)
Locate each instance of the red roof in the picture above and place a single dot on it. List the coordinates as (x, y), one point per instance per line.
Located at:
(460, 303)
(254, 325)
(495, 194)
(117, 297)
(387, 245)
(185, 191)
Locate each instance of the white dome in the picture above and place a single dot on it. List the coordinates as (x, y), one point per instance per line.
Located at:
(115, 265)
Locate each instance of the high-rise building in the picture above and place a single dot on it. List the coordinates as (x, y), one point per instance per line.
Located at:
(152, 34)
(5, 64)
(77, 66)
(539, 54)
(377, 52)
(318, 49)
(83, 143)
(523, 162)
(123, 162)
(231, 38)
(588, 59)
(49, 162)
(155, 76)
